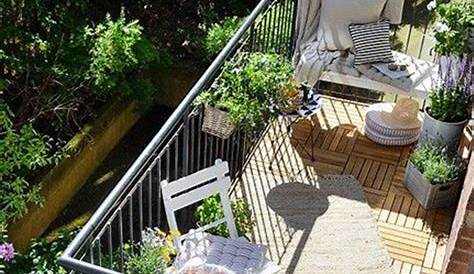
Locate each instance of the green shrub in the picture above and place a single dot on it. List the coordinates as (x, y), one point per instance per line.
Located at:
(211, 210)
(119, 55)
(453, 20)
(436, 166)
(41, 256)
(248, 86)
(219, 34)
(23, 151)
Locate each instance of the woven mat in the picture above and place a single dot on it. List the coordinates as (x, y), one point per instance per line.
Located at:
(331, 225)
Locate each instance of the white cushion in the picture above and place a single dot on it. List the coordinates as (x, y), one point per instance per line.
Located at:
(337, 15)
(205, 252)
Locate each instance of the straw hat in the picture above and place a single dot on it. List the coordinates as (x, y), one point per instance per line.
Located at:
(404, 115)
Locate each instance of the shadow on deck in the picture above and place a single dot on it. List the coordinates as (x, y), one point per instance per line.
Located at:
(334, 143)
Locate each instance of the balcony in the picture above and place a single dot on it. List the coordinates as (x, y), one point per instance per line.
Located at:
(333, 143)
(415, 238)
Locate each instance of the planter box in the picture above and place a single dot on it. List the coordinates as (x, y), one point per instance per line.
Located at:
(441, 133)
(217, 123)
(428, 195)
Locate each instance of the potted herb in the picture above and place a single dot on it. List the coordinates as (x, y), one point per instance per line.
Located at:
(241, 97)
(447, 111)
(434, 177)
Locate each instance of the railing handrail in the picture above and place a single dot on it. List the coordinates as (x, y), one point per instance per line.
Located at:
(128, 178)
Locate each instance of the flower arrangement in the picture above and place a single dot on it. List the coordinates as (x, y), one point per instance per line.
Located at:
(290, 97)
(449, 101)
(437, 166)
(451, 28)
(154, 253)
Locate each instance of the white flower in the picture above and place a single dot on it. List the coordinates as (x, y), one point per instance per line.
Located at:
(440, 27)
(431, 5)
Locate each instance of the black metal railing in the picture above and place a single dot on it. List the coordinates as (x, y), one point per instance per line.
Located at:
(180, 148)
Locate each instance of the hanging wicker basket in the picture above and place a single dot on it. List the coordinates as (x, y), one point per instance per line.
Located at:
(217, 123)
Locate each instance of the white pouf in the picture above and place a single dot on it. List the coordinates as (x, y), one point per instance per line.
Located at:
(381, 131)
(390, 141)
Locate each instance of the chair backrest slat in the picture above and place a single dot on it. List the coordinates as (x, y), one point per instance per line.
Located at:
(199, 194)
(194, 188)
(219, 170)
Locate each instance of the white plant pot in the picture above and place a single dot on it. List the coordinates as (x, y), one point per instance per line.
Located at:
(431, 196)
(441, 133)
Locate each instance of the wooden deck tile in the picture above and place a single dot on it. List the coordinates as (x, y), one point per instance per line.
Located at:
(334, 143)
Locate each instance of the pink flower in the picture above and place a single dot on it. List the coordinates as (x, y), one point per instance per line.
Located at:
(7, 252)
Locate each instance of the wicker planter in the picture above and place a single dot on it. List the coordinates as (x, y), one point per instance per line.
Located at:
(441, 133)
(217, 123)
(428, 195)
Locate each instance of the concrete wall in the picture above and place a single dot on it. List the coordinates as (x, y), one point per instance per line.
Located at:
(61, 184)
(92, 145)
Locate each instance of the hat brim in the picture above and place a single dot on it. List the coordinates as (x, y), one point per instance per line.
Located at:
(398, 122)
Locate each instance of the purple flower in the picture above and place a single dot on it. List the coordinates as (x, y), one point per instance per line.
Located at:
(7, 252)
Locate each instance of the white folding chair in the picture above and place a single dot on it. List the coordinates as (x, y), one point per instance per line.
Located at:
(197, 187)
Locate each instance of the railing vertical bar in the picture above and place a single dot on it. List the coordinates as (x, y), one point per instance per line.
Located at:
(140, 205)
(223, 142)
(211, 149)
(185, 144)
(271, 28)
(193, 133)
(99, 252)
(204, 160)
(168, 163)
(120, 227)
(130, 218)
(158, 194)
(279, 22)
(291, 31)
(237, 158)
(150, 200)
(109, 247)
(91, 253)
(199, 133)
(265, 32)
(176, 156)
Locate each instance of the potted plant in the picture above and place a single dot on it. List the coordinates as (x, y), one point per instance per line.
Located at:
(434, 177)
(241, 97)
(447, 111)
(290, 97)
(453, 20)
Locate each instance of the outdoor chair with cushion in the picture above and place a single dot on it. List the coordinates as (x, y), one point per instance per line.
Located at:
(199, 251)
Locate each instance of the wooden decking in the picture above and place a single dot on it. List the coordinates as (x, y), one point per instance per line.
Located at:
(334, 143)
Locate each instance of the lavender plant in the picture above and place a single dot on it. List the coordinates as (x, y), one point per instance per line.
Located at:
(449, 101)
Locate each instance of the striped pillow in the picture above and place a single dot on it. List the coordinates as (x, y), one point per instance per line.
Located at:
(371, 42)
